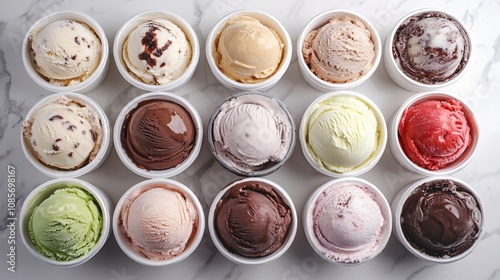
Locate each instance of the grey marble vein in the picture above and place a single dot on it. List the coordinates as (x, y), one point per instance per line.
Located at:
(418, 271)
(234, 273)
(494, 275)
(5, 84)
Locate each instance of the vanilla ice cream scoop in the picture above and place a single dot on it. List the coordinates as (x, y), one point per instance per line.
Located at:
(157, 52)
(342, 133)
(248, 51)
(66, 52)
(159, 222)
(341, 51)
(64, 134)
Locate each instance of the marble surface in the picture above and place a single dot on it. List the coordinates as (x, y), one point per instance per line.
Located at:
(206, 177)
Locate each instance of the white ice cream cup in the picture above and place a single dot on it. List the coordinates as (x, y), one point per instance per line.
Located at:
(238, 259)
(401, 78)
(370, 162)
(89, 84)
(128, 162)
(42, 192)
(379, 198)
(124, 242)
(232, 167)
(397, 207)
(146, 16)
(459, 163)
(319, 21)
(265, 19)
(99, 158)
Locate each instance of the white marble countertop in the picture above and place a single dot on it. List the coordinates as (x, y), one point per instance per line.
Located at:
(480, 87)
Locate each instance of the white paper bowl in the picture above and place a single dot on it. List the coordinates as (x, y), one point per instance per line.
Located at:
(146, 16)
(263, 85)
(122, 154)
(124, 242)
(400, 155)
(238, 259)
(319, 21)
(89, 84)
(91, 166)
(42, 192)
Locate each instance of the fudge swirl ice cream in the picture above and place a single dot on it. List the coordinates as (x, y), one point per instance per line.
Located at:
(431, 47)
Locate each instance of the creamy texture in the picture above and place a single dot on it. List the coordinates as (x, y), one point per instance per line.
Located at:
(340, 51)
(441, 219)
(159, 222)
(64, 134)
(435, 133)
(431, 47)
(252, 220)
(157, 52)
(67, 224)
(342, 133)
(347, 222)
(158, 134)
(252, 132)
(65, 52)
(247, 51)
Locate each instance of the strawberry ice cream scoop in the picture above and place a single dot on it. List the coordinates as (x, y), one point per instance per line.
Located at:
(435, 133)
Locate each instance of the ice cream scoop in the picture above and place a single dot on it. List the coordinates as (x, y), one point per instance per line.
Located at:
(434, 133)
(159, 221)
(157, 52)
(65, 134)
(251, 132)
(247, 51)
(431, 47)
(441, 219)
(341, 133)
(66, 52)
(158, 134)
(340, 51)
(67, 224)
(347, 222)
(251, 219)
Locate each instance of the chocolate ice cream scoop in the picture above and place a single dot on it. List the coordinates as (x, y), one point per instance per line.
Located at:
(431, 47)
(441, 219)
(158, 134)
(252, 220)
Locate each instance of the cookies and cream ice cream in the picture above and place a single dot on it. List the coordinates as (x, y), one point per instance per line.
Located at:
(340, 51)
(65, 52)
(157, 52)
(247, 51)
(431, 47)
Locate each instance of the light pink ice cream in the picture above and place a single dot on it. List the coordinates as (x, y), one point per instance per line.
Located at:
(159, 222)
(347, 223)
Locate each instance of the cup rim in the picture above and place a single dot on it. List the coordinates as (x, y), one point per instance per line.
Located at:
(397, 206)
(407, 82)
(141, 17)
(371, 161)
(164, 173)
(101, 154)
(234, 169)
(122, 241)
(379, 198)
(90, 82)
(241, 260)
(265, 84)
(50, 186)
(320, 20)
(459, 163)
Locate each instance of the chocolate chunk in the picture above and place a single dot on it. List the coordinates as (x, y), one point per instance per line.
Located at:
(56, 117)
(70, 154)
(55, 147)
(58, 140)
(77, 145)
(94, 135)
(71, 127)
(77, 41)
(73, 57)
(162, 64)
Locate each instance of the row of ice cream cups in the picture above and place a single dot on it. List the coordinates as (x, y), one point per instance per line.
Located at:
(246, 50)
(159, 135)
(252, 221)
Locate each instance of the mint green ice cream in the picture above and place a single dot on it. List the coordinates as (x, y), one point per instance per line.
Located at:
(66, 225)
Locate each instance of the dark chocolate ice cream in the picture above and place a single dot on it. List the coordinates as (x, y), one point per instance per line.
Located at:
(252, 220)
(441, 219)
(158, 134)
(431, 47)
